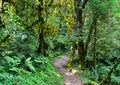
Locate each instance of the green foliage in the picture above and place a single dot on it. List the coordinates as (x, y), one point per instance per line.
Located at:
(30, 72)
(28, 63)
(21, 65)
(61, 41)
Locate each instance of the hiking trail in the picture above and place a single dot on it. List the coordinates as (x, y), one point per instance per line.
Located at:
(70, 78)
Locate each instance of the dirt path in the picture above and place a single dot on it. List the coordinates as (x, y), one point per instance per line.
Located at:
(69, 77)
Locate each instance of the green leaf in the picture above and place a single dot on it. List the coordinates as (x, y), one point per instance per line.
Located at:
(29, 64)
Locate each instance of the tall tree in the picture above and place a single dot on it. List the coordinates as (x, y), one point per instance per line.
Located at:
(41, 48)
(78, 31)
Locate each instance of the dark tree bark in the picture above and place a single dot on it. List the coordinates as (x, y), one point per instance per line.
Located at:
(79, 23)
(41, 48)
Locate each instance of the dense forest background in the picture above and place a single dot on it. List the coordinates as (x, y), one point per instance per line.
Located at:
(34, 32)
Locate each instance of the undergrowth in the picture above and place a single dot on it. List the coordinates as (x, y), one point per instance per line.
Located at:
(22, 70)
(95, 75)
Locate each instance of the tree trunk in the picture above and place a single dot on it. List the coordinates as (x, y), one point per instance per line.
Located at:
(41, 48)
(80, 42)
(78, 27)
(69, 63)
(81, 54)
(89, 37)
(93, 27)
(76, 20)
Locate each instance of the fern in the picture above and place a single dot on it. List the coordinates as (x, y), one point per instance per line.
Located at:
(29, 64)
(115, 80)
(11, 61)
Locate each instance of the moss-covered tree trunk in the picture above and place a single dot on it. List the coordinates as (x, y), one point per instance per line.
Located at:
(72, 54)
(79, 21)
(41, 48)
(76, 20)
(93, 27)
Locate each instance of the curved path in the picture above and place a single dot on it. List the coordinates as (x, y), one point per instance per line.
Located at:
(69, 77)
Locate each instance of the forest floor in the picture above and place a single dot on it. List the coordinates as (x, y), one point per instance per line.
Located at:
(70, 78)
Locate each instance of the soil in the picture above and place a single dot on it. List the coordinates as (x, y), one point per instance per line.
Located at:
(70, 78)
